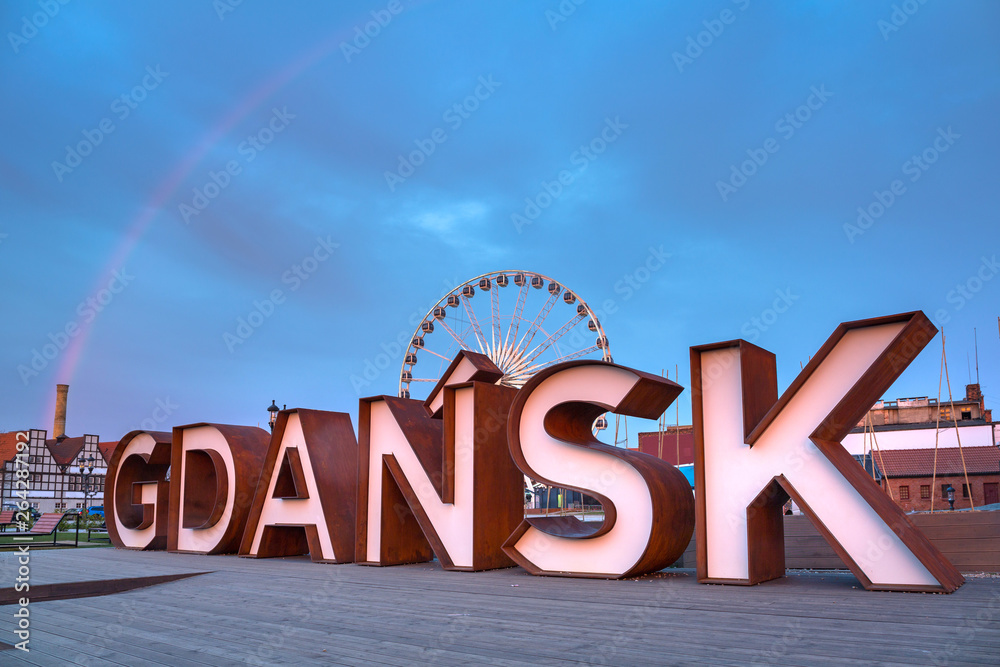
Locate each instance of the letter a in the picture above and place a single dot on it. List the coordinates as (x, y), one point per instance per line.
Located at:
(753, 451)
(307, 493)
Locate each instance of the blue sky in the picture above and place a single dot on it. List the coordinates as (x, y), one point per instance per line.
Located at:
(822, 106)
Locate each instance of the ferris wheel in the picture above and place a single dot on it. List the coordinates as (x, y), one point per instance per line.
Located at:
(523, 321)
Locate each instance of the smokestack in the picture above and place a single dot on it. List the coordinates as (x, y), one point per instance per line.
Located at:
(59, 425)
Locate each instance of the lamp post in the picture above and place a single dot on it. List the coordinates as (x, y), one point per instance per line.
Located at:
(272, 414)
(951, 496)
(89, 485)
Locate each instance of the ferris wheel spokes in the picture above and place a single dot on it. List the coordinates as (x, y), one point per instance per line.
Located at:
(495, 315)
(539, 320)
(511, 344)
(483, 347)
(554, 338)
(515, 324)
(458, 339)
(531, 370)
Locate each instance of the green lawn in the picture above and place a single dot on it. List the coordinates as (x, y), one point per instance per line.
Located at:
(6, 539)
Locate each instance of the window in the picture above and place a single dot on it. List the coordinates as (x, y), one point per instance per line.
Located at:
(966, 414)
(904, 492)
(944, 491)
(79, 505)
(60, 506)
(965, 490)
(925, 491)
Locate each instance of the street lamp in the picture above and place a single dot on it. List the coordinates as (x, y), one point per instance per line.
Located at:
(272, 414)
(89, 484)
(951, 496)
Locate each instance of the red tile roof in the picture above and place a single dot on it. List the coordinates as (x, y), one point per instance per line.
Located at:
(64, 453)
(8, 445)
(920, 462)
(107, 449)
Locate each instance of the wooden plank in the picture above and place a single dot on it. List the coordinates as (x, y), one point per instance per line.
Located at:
(419, 613)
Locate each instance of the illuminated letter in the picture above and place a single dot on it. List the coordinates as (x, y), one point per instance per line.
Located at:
(305, 500)
(443, 482)
(754, 450)
(213, 473)
(648, 508)
(136, 493)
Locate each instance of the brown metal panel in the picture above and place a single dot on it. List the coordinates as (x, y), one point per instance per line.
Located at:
(404, 539)
(760, 384)
(291, 482)
(498, 487)
(425, 436)
(279, 541)
(698, 425)
(206, 488)
(335, 465)
(765, 534)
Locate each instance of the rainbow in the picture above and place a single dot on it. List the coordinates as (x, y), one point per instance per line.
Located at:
(166, 189)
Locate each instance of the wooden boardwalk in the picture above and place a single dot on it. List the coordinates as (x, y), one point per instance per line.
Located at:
(294, 612)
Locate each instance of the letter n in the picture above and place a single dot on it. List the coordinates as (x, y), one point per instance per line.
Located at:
(307, 493)
(137, 493)
(648, 508)
(213, 474)
(754, 450)
(437, 476)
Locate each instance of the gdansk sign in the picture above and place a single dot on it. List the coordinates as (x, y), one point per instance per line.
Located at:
(444, 477)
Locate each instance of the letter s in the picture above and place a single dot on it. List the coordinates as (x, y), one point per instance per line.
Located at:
(648, 505)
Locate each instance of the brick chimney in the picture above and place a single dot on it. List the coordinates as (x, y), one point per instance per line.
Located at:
(59, 425)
